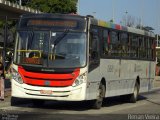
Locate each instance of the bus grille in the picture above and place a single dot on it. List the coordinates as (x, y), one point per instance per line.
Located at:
(48, 79)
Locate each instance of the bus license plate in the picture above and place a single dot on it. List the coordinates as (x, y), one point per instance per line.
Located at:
(46, 92)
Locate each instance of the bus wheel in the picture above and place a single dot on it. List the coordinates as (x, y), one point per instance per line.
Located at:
(134, 96)
(38, 103)
(14, 101)
(98, 102)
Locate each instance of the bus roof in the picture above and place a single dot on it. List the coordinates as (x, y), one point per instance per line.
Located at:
(123, 28)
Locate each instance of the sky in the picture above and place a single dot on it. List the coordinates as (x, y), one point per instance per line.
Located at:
(146, 10)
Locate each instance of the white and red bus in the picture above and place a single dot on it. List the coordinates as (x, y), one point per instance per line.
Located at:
(75, 58)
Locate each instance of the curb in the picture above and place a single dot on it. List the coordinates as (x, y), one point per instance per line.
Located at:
(151, 91)
(156, 89)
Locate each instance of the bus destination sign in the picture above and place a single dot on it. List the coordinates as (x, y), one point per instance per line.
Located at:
(32, 61)
(54, 23)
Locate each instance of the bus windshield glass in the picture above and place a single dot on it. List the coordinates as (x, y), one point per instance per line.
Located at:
(54, 49)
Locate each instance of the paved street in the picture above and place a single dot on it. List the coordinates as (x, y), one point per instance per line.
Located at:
(157, 82)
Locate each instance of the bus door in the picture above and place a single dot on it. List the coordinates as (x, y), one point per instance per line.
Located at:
(94, 62)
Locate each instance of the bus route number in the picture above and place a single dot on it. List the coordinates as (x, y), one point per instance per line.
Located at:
(110, 68)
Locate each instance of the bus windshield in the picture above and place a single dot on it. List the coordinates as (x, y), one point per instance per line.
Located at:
(51, 49)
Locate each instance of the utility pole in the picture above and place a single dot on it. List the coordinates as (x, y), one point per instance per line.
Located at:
(142, 12)
(126, 17)
(20, 2)
(5, 42)
(113, 10)
(77, 6)
(157, 40)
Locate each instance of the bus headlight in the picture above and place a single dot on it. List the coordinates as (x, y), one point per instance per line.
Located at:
(80, 79)
(16, 76)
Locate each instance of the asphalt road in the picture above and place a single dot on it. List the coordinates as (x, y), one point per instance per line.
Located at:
(146, 108)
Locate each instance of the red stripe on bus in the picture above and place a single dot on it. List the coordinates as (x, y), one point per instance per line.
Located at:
(45, 79)
(118, 27)
(108, 39)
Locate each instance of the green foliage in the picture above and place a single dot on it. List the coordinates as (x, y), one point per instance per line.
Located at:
(54, 6)
(51, 6)
(1, 23)
(10, 24)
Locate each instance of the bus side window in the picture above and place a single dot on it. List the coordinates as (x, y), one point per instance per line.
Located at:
(94, 44)
(124, 41)
(115, 47)
(134, 46)
(106, 42)
(94, 48)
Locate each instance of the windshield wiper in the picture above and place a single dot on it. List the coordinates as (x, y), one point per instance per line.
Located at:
(60, 55)
(57, 40)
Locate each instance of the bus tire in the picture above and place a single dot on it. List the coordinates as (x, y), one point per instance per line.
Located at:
(97, 104)
(14, 101)
(37, 102)
(134, 96)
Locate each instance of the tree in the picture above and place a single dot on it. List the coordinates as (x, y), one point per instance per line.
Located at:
(128, 20)
(51, 6)
(54, 6)
(139, 23)
(132, 21)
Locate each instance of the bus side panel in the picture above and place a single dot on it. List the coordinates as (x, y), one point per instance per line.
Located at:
(121, 75)
(147, 77)
(138, 69)
(127, 75)
(115, 84)
(93, 80)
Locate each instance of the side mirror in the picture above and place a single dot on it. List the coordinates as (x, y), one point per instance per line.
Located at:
(8, 56)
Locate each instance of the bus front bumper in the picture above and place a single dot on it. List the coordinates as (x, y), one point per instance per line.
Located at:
(49, 93)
